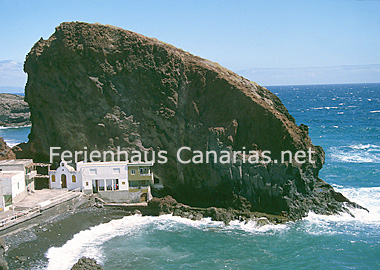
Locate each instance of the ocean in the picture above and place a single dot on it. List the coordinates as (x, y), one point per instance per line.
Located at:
(345, 121)
(15, 135)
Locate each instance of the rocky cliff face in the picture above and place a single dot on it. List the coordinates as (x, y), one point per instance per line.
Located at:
(5, 151)
(102, 87)
(14, 111)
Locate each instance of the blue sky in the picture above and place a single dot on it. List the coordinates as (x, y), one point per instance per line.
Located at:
(252, 38)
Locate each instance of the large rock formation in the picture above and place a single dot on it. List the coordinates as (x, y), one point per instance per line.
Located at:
(102, 87)
(14, 111)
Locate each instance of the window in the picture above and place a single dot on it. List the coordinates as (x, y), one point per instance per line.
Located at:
(93, 171)
(100, 184)
(18, 185)
(7, 200)
(116, 170)
(144, 170)
(109, 184)
(86, 183)
(138, 183)
(133, 172)
(53, 178)
(74, 179)
(123, 183)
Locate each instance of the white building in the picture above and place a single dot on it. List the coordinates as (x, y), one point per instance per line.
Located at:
(103, 176)
(21, 165)
(64, 176)
(121, 181)
(16, 179)
(12, 188)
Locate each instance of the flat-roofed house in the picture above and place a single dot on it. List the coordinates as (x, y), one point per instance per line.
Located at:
(140, 177)
(12, 188)
(121, 181)
(114, 181)
(21, 165)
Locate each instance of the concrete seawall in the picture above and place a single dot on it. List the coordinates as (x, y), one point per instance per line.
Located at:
(48, 213)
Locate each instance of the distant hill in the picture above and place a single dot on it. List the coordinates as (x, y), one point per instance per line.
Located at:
(14, 111)
(12, 90)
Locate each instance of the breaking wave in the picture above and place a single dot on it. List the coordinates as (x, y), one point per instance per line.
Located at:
(356, 153)
(15, 135)
(344, 223)
(88, 242)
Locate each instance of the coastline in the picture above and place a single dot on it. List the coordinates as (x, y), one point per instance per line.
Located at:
(27, 246)
(13, 125)
(28, 242)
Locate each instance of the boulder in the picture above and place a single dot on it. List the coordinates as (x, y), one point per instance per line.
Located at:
(87, 264)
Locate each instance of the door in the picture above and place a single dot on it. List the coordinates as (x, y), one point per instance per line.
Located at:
(63, 181)
(95, 186)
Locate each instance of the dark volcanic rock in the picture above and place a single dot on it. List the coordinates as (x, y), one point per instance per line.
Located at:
(102, 87)
(3, 262)
(5, 151)
(158, 206)
(14, 111)
(86, 264)
(168, 205)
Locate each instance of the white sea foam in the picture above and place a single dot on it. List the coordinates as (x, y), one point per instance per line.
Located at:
(88, 242)
(356, 153)
(12, 143)
(254, 227)
(346, 223)
(325, 108)
(15, 127)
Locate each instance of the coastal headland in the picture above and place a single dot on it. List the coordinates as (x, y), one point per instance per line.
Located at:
(100, 87)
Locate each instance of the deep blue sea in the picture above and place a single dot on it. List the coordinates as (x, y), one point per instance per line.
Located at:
(15, 135)
(345, 121)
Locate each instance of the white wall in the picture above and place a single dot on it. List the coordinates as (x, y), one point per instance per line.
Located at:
(102, 171)
(14, 185)
(62, 169)
(18, 185)
(7, 168)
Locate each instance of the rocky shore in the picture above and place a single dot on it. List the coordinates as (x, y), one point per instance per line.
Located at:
(26, 245)
(5, 151)
(242, 211)
(87, 264)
